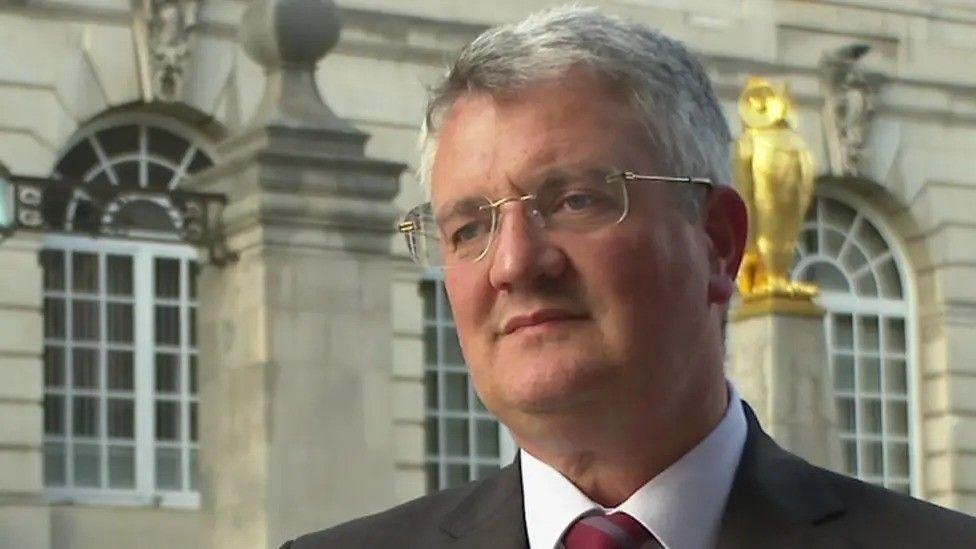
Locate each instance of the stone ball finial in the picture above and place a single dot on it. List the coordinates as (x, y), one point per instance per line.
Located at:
(277, 33)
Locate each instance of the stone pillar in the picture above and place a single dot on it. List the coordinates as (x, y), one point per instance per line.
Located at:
(296, 333)
(24, 517)
(777, 360)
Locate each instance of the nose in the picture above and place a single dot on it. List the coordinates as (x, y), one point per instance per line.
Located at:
(522, 251)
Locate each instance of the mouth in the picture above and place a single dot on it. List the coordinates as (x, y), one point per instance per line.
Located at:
(539, 319)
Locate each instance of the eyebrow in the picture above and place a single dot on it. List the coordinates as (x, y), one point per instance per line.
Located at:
(535, 180)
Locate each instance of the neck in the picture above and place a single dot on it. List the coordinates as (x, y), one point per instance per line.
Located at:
(609, 458)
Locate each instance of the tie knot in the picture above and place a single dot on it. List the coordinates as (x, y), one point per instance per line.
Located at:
(614, 531)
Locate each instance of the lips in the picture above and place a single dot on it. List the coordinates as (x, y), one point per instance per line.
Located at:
(538, 317)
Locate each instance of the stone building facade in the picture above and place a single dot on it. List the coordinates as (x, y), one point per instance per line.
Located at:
(324, 380)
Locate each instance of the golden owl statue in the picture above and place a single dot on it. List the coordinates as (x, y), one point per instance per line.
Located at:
(773, 172)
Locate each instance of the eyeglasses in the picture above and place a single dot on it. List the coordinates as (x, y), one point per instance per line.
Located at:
(462, 231)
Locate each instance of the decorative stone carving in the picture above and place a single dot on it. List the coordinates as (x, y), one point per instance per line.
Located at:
(849, 106)
(162, 30)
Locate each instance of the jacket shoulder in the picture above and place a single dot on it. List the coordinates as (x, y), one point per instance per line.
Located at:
(874, 514)
(412, 524)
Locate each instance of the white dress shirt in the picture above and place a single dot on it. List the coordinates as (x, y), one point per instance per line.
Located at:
(682, 506)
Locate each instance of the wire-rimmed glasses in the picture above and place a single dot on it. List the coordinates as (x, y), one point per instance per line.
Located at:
(462, 231)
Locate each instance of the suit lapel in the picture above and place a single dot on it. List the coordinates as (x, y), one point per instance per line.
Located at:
(777, 499)
(492, 515)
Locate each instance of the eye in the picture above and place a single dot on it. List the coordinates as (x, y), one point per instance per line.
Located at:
(577, 201)
(468, 232)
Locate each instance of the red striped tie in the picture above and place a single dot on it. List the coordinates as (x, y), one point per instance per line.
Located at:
(614, 531)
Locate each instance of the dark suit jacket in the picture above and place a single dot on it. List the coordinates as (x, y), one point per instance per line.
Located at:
(777, 500)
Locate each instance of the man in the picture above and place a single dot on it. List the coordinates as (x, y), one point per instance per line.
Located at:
(578, 169)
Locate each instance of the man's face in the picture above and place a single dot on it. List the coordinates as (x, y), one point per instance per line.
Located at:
(554, 322)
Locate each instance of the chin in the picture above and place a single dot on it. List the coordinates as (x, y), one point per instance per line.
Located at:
(548, 384)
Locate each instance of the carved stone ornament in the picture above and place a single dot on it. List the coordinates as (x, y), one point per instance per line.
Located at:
(162, 30)
(849, 105)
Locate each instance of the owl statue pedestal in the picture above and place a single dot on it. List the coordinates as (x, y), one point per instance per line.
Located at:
(778, 363)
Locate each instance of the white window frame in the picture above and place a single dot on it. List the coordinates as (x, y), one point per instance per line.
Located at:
(143, 298)
(836, 302)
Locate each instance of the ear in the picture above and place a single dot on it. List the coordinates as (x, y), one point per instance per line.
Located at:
(726, 226)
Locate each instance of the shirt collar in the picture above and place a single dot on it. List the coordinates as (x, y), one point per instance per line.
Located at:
(682, 506)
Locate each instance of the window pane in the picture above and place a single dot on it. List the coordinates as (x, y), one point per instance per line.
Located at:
(167, 325)
(897, 418)
(194, 273)
(121, 467)
(121, 418)
(128, 173)
(868, 333)
(833, 241)
(872, 459)
(895, 335)
(54, 319)
(431, 432)
(486, 471)
(53, 414)
(86, 465)
(430, 345)
(194, 465)
(120, 371)
(53, 366)
(430, 390)
(870, 374)
(426, 290)
(456, 391)
(52, 261)
(168, 475)
(167, 420)
(432, 471)
(845, 414)
(167, 278)
(193, 421)
(84, 320)
(119, 275)
(84, 368)
(85, 416)
(167, 373)
(457, 475)
(844, 372)
(54, 472)
(866, 285)
(853, 259)
(890, 282)
(457, 437)
(84, 272)
(843, 331)
(850, 456)
(895, 380)
(120, 322)
(193, 374)
(871, 416)
(191, 313)
(898, 460)
(487, 439)
(838, 215)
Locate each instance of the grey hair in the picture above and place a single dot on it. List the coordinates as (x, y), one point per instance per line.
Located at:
(668, 87)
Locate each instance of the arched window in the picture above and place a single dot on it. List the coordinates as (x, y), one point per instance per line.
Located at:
(120, 355)
(863, 290)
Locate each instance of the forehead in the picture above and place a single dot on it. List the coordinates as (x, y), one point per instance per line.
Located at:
(491, 146)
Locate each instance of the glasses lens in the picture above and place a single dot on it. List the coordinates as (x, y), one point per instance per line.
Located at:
(422, 241)
(462, 234)
(465, 230)
(582, 202)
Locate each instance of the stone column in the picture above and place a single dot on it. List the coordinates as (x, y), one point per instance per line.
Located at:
(24, 517)
(295, 334)
(777, 360)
